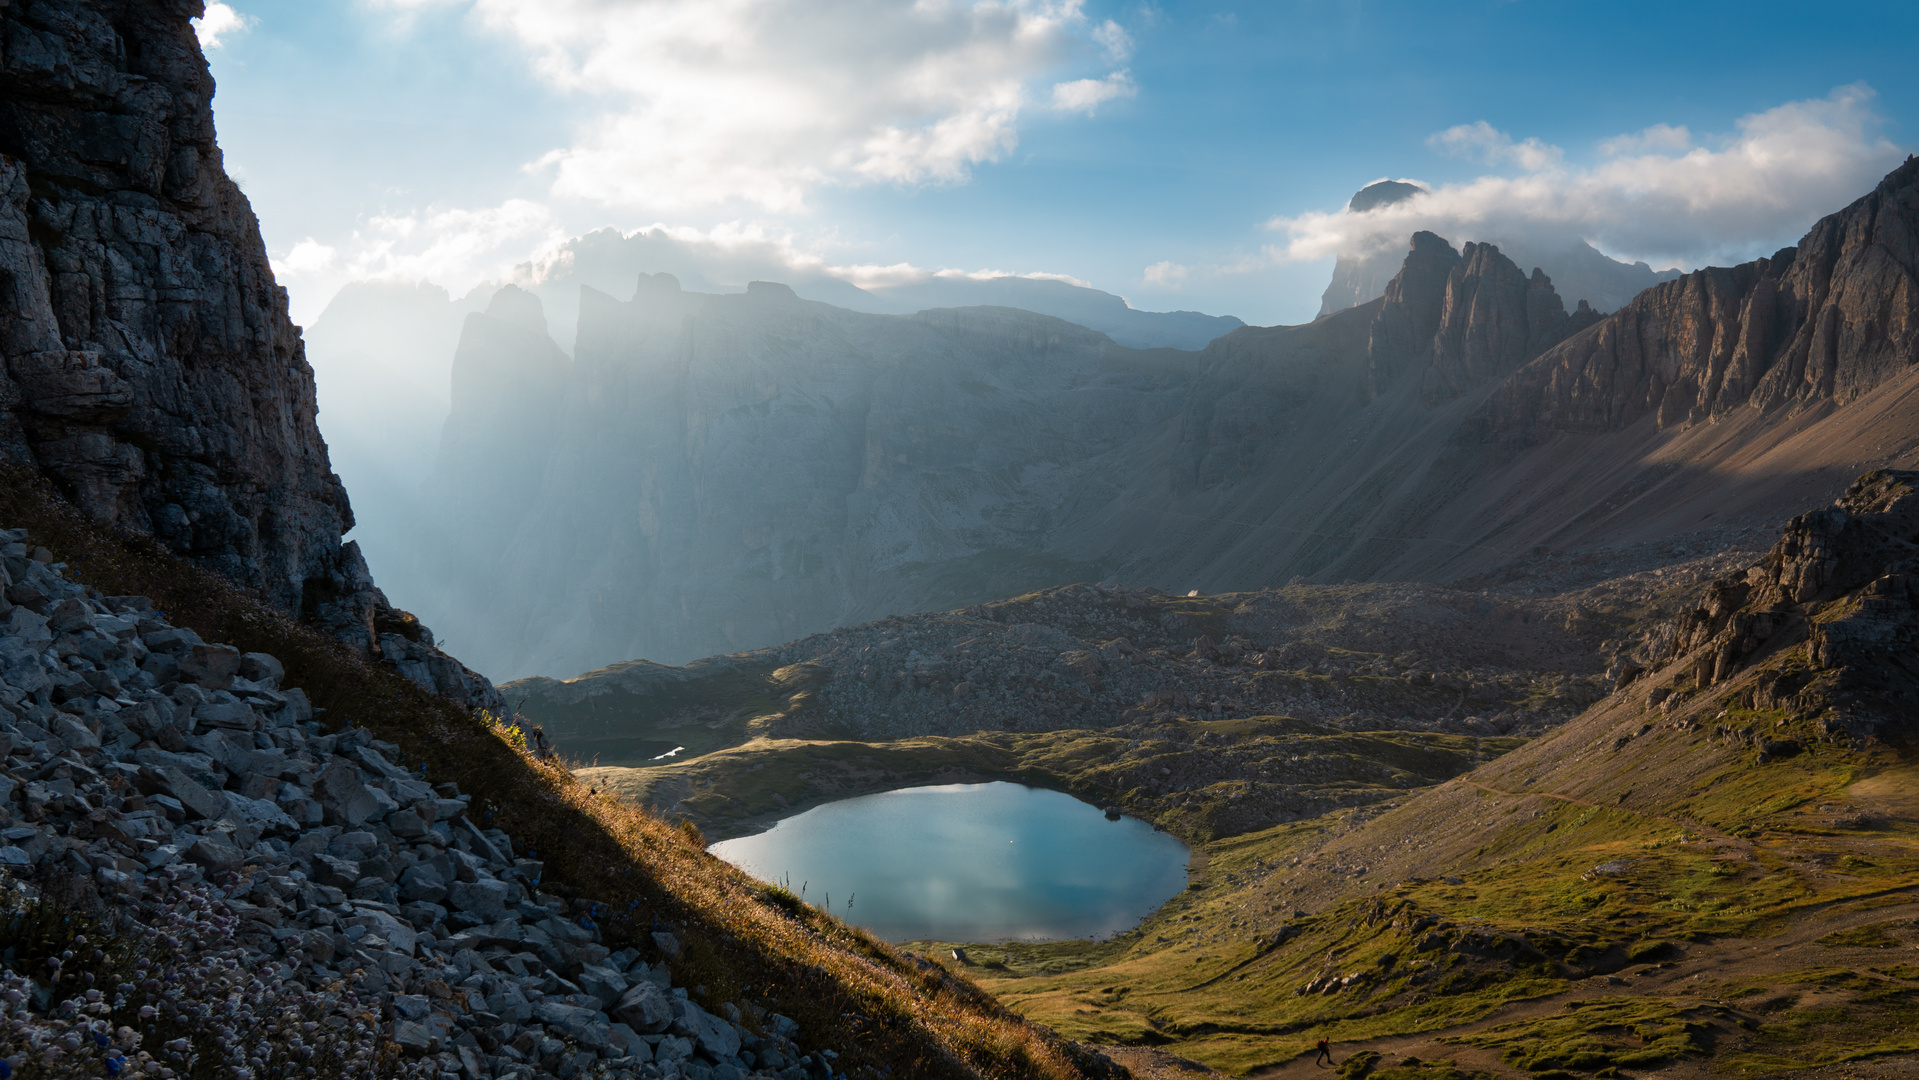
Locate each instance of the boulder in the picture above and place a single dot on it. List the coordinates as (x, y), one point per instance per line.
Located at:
(603, 983)
(484, 899)
(398, 935)
(210, 666)
(344, 797)
(69, 617)
(421, 882)
(645, 1008)
(175, 784)
(262, 669)
(715, 1037)
(216, 855)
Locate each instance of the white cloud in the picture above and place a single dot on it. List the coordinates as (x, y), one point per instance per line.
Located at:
(697, 104)
(1481, 141)
(454, 247)
(1115, 41)
(1087, 95)
(1167, 274)
(1655, 138)
(309, 256)
(218, 22)
(1654, 195)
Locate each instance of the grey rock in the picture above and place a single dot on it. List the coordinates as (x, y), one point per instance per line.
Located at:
(484, 899)
(262, 669)
(715, 1037)
(231, 715)
(335, 871)
(603, 983)
(400, 937)
(421, 882)
(28, 629)
(627, 1041)
(645, 1008)
(407, 825)
(177, 785)
(346, 800)
(668, 942)
(69, 617)
(215, 855)
(74, 734)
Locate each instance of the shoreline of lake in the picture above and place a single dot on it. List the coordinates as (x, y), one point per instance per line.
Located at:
(926, 861)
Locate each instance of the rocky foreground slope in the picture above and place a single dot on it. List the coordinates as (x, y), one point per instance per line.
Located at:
(171, 787)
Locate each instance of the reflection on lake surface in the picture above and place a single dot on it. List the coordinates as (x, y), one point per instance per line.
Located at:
(969, 862)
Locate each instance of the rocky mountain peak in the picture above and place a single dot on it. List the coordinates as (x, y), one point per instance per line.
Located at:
(656, 285)
(1493, 318)
(1828, 320)
(1409, 318)
(1460, 318)
(516, 307)
(1382, 193)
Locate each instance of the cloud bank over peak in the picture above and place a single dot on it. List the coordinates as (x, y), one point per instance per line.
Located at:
(1659, 194)
(690, 105)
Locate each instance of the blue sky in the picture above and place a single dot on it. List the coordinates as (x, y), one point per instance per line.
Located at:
(1181, 155)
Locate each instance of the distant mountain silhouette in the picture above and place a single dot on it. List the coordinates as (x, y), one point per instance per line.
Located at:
(1579, 271)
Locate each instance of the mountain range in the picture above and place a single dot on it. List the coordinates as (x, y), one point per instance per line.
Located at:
(709, 473)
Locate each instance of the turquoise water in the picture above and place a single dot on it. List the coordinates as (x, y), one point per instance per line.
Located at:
(969, 862)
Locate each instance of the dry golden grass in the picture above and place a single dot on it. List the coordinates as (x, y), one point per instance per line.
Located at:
(746, 943)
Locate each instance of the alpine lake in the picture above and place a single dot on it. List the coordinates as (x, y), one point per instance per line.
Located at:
(969, 862)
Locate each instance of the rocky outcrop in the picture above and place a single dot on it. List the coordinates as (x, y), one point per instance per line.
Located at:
(1583, 274)
(150, 368)
(1844, 581)
(1828, 320)
(1461, 319)
(1403, 330)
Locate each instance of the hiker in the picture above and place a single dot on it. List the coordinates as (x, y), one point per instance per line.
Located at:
(1325, 1052)
(541, 748)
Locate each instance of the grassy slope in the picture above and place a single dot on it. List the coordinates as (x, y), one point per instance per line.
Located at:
(746, 944)
(1629, 890)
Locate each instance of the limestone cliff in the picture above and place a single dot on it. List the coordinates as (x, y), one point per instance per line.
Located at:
(714, 472)
(151, 371)
(1827, 321)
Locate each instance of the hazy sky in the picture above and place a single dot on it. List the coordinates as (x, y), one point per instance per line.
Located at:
(1181, 155)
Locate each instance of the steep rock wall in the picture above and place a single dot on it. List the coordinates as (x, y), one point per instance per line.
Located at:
(1829, 320)
(150, 368)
